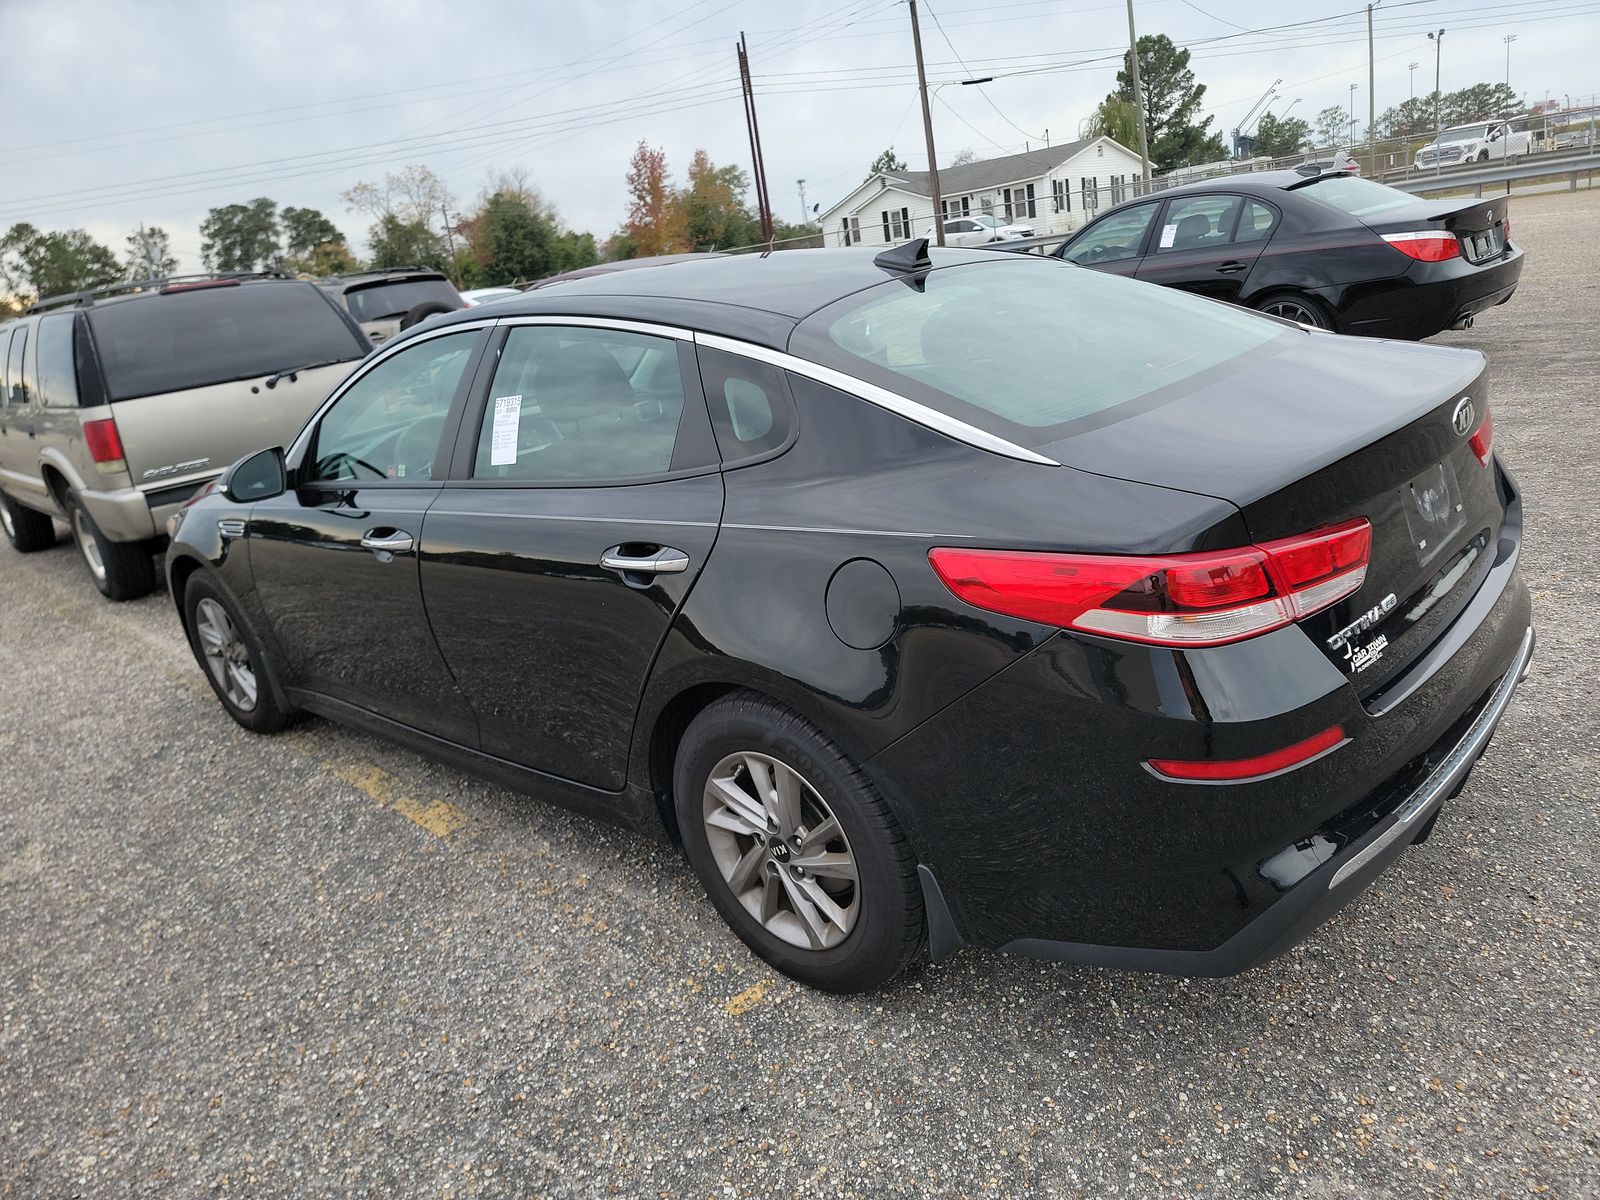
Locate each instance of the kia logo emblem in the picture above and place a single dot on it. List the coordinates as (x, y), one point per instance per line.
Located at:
(1461, 420)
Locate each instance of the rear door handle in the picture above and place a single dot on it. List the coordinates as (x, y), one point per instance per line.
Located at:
(665, 561)
(388, 541)
(1230, 267)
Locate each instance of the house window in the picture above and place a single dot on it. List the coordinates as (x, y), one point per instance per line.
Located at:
(1063, 195)
(987, 204)
(1116, 189)
(1091, 194)
(844, 232)
(850, 231)
(966, 206)
(896, 224)
(1032, 208)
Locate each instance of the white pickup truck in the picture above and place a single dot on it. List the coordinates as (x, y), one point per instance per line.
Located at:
(1479, 142)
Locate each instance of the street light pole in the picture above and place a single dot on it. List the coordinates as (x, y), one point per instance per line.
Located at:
(1353, 88)
(1138, 99)
(1438, 126)
(927, 128)
(1372, 98)
(1508, 39)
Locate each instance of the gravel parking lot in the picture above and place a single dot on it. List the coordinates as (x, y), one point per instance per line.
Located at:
(320, 965)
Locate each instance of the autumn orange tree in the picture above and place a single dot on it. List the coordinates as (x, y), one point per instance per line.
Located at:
(655, 218)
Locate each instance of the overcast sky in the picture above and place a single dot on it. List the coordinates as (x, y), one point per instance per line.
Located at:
(154, 112)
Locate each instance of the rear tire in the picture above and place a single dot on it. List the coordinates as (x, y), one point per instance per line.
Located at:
(121, 570)
(26, 529)
(1296, 306)
(795, 848)
(231, 656)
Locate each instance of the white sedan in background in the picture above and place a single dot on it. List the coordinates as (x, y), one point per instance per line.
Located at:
(979, 230)
(477, 296)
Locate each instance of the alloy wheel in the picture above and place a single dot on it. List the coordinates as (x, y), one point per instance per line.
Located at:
(227, 657)
(6, 521)
(1294, 310)
(87, 545)
(781, 851)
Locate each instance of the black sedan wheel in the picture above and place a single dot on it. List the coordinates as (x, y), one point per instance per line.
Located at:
(231, 657)
(1292, 306)
(796, 850)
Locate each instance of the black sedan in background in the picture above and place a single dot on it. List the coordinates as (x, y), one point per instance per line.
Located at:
(1330, 250)
(927, 601)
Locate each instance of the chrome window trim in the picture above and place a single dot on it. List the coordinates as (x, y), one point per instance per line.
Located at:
(379, 355)
(893, 402)
(624, 324)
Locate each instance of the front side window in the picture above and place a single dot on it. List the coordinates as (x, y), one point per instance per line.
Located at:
(574, 405)
(1117, 237)
(1022, 349)
(388, 424)
(1197, 223)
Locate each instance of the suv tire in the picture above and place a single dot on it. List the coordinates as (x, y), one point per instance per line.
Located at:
(428, 308)
(121, 570)
(26, 529)
(818, 879)
(230, 655)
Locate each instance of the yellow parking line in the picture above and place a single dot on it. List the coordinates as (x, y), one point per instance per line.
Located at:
(438, 817)
(747, 999)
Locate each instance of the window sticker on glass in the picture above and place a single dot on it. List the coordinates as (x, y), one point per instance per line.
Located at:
(507, 417)
(1169, 234)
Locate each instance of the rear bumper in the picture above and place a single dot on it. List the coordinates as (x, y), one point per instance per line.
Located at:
(1429, 297)
(1337, 881)
(131, 515)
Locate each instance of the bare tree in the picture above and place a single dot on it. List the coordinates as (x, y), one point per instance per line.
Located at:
(963, 157)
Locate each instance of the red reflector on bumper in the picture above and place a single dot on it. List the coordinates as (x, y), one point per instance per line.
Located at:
(1241, 770)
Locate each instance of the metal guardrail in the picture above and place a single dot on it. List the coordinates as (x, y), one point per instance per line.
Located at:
(1555, 158)
(1531, 167)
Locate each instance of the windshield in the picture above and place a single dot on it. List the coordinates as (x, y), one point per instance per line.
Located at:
(168, 343)
(1461, 135)
(385, 301)
(1023, 349)
(1356, 196)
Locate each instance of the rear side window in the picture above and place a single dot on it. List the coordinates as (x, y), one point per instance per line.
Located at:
(386, 301)
(749, 401)
(58, 377)
(1255, 223)
(5, 352)
(16, 382)
(168, 343)
(1358, 197)
(1023, 348)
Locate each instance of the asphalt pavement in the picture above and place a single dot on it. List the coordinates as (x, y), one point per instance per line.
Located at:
(319, 965)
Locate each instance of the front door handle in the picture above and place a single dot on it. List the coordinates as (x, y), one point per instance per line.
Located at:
(665, 561)
(388, 541)
(1232, 266)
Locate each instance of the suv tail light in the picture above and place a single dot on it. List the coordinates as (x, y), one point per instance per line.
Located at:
(1482, 440)
(105, 445)
(1204, 599)
(1429, 245)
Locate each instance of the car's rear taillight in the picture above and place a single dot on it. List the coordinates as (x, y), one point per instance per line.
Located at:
(1506, 229)
(1429, 245)
(1204, 599)
(105, 445)
(1482, 440)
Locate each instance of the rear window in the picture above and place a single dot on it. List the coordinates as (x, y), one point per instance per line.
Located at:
(214, 335)
(385, 301)
(1358, 197)
(1023, 349)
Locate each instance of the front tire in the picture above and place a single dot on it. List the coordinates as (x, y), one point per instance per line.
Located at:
(26, 530)
(795, 848)
(1298, 307)
(231, 656)
(121, 570)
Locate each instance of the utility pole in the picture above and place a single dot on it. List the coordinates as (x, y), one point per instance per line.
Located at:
(1508, 39)
(1438, 126)
(1412, 67)
(927, 128)
(1138, 99)
(758, 167)
(1372, 100)
(1353, 87)
(805, 213)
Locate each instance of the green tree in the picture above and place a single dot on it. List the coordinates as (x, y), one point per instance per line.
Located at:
(1171, 104)
(34, 264)
(574, 250)
(515, 240)
(1409, 118)
(886, 163)
(1480, 102)
(305, 229)
(330, 258)
(1332, 127)
(619, 246)
(397, 243)
(1278, 137)
(1118, 120)
(655, 219)
(795, 237)
(713, 209)
(241, 237)
(149, 254)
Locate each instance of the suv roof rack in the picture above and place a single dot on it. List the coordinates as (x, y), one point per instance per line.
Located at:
(154, 283)
(379, 271)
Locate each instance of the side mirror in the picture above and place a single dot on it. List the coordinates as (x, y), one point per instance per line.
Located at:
(258, 476)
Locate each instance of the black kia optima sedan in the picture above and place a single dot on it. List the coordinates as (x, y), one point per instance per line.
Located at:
(1329, 249)
(968, 599)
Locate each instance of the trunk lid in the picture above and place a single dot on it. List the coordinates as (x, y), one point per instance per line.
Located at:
(1479, 225)
(1321, 430)
(176, 437)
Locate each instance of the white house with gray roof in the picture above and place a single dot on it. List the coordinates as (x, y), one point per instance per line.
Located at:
(1053, 190)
